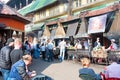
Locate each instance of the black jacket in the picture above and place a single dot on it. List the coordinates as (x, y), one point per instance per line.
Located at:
(5, 61)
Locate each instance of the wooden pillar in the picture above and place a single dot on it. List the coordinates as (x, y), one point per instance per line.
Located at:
(23, 36)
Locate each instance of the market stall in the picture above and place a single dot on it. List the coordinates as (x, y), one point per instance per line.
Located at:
(99, 54)
(77, 53)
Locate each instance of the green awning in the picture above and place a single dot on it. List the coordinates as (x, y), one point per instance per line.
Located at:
(38, 26)
(35, 5)
(28, 29)
(43, 3)
(27, 9)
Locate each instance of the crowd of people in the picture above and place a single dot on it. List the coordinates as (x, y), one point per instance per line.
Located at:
(13, 62)
(110, 72)
(15, 57)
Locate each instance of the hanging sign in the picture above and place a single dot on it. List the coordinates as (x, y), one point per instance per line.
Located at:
(97, 24)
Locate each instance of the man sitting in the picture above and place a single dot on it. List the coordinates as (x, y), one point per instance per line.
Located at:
(113, 70)
(87, 70)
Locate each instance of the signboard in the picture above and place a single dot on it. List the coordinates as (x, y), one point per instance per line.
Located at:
(97, 24)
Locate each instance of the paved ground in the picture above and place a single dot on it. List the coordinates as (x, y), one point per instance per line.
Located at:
(66, 70)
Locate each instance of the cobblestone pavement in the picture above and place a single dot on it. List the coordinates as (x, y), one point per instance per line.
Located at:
(66, 70)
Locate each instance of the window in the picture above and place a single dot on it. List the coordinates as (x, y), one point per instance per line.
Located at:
(90, 1)
(77, 3)
(54, 11)
(65, 7)
(42, 14)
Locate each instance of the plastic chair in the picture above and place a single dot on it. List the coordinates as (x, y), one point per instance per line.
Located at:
(39, 77)
(86, 77)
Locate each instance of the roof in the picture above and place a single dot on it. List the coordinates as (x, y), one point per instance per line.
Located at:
(35, 5)
(8, 11)
(27, 9)
(43, 3)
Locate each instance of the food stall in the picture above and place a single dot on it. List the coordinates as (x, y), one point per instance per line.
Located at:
(99, 54)
(77, 53)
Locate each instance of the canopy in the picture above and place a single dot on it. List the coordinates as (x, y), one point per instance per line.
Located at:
(71, 29)
(37, 26)
(46, 33)
(60, 33)
(82, 30)
(115, 28)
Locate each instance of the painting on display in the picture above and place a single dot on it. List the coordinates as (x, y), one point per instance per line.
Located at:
(97, 24)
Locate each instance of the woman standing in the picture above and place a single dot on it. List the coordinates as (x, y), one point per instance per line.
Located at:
(36, 49)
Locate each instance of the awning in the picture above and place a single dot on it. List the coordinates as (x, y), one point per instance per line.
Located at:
(46, 33)
(32, 34)
(82, 30)
(71, 29)
(52, 34)
(115, 28)
(28, 27)
(37, 26)
(60, 33)
(97, 24)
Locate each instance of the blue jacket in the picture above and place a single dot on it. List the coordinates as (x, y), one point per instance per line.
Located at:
(90, 72)
(18, 70)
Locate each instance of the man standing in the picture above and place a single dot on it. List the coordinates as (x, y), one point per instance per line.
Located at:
(17, 53)
(62, 46)
(50, 47)
(5, 62)
(97, 42)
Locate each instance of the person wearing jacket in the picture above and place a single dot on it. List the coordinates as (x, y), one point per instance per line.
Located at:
(86, 70)
(5, 62)
(17, 53)
(19, 70)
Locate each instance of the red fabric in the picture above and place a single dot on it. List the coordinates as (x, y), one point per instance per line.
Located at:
(111, 47)
(103, 77)
(112, 79)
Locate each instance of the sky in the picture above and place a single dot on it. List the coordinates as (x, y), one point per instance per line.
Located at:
(4, 1)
